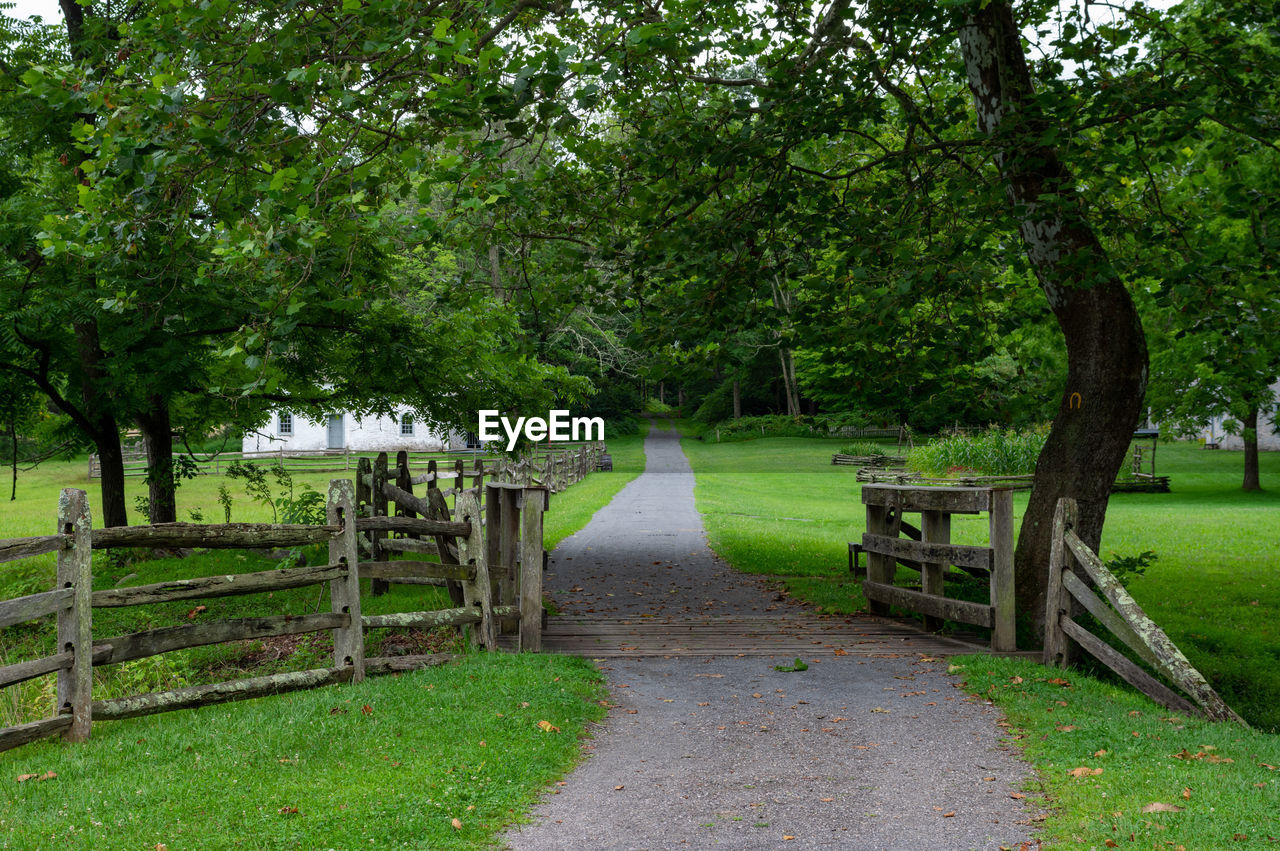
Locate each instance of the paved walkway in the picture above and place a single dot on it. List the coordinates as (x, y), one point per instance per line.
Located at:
(725, 751)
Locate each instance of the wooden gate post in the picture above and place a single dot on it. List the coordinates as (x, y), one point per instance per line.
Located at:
(534, 503)
(1004, 619)
(472, 550)
(344, 592)
(1056, 601)
(504, 574)
(935, 528)
(378, 502)
(75, 623)
(880, 568)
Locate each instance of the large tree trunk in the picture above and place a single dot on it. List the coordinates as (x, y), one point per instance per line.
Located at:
(737, 399)
(1106, 349)
(101, 424)
(1252, 482)
(157, 434)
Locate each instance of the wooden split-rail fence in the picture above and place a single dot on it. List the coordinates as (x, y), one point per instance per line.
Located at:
(497, 576)
(1072, 566)
(890, 541)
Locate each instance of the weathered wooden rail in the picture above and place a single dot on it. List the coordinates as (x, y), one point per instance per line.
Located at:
(512, 595)
(928, 549)
(1072, 565)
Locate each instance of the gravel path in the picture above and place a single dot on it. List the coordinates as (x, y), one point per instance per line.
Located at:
(727, 751)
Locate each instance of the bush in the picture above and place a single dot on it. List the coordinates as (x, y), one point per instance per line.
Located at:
(995, 452)
(654, 406)
(863, 448)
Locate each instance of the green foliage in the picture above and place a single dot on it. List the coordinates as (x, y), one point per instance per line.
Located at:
(994, 452)
(773, 425)
(864, 448)
(798, 665)
(1127, 568)
(656, 406)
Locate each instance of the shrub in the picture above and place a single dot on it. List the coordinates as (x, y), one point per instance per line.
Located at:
(863, 448)
(995, 452)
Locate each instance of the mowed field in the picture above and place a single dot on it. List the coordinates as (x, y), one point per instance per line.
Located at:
(777, 506)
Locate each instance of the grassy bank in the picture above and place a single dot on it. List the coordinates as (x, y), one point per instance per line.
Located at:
(777, 506)
(388, 763)
(1112, 767)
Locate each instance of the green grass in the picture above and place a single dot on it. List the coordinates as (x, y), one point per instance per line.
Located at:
(458, 742)
(1226, 781)
(777, 506)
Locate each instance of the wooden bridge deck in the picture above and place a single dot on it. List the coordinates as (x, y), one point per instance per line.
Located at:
(634, 637)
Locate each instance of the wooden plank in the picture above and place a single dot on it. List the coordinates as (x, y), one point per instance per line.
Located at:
(942, 607)
(880, 568)
(503, 576)
(141, 644)
(13, 549)
(1065, 516)
(393, 570)
(1004, 636)
(75, 623)
(1126, 669)
(1107, 616)
(925, 551)
(1171, 660)
(472, 551)
(344, 588)
(409, 545)
(446, 546)
(22, 734)
(412, 525)
(531, 572)
(190, 698)
(423, 620)
(911, 498)
(23, 671)
(229, 585)
(935, 529)
(212, 535)
(377, 665)
(378, 506)
(33, 606)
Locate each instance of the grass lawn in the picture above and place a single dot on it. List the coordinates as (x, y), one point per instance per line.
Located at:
(1113, 767)
(388, 763)
(460, 741)
(777, 506)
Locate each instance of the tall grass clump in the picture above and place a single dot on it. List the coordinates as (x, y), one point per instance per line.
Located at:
(994, 452)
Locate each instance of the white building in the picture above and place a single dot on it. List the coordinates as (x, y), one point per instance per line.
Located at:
(1268, 429)
(293, 432)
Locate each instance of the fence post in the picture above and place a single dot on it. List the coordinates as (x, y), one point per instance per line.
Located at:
(935, 528)
(378, 501)
(1004, 622)
(472, 550)
(459, 480)
(75, 623)
(535, 501)
(880, 568)
(1055, 600)
(344, 592)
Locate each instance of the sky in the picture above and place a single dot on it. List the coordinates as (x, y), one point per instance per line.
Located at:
(47, 9)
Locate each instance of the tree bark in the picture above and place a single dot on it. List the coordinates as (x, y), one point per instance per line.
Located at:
(101, 424)
(1106, 348)
(1252, 481)
(13, 447)
(737, 399)
(162, 488)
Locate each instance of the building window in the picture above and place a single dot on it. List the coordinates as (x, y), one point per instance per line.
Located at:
(406, 425)
(286, 424)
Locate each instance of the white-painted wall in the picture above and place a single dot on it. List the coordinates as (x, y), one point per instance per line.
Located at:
(1268, 431)
(375, 434)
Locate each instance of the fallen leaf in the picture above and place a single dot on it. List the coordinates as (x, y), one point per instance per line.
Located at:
(839, 651)
(548, 727)
(988, 779)
(1017, 796)
(23, 778)
(367, 709)
(1158, 807)
(1186, 794)
(191, 615)
(1085, 771)
(1133, 713)
(337, 711)
(879, 709)
(1015, 680)
(619, 787)
(1102, 752)
(1058, 681)
(826, 800)
(1065, 728)
(1239, 837)
(951, 814)
(787, 838)
(1111, 843)
(288, 811)
(1271, 767)
(457, 824)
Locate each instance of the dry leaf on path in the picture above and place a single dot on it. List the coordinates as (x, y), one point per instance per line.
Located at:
(548, 727)
(1085, 771)
(1065, 728)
